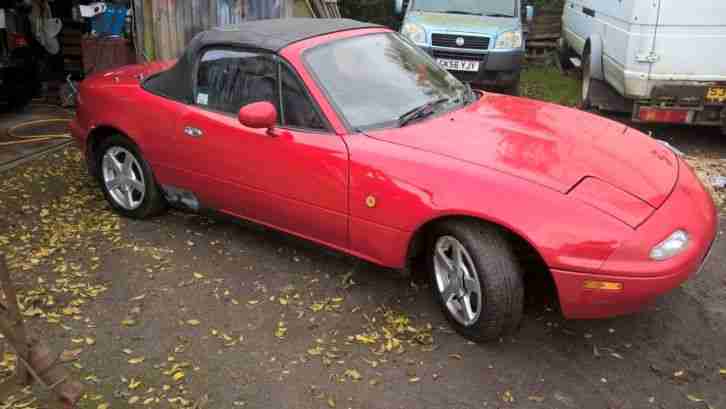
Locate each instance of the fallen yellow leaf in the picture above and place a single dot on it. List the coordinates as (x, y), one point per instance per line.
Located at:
(178, 376)
(694, 398)
(365, 339)
(134, 361)
(508, 397)
(193, 322)
(281, 330)
(353, 374)
(70, 355)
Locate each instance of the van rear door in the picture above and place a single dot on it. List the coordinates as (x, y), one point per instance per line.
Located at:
(689, 41)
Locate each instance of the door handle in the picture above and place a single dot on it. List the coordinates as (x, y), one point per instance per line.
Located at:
(193, 132)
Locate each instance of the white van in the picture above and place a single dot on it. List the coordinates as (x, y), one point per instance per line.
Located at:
(665, 59)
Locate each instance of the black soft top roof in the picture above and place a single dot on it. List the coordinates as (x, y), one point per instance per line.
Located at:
(269, 35)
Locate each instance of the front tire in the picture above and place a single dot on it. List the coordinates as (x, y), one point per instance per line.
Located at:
(476, 279)
(127, 180)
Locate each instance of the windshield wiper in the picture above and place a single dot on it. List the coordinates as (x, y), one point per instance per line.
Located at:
(498, 15)
(420, 112)
(468, 13)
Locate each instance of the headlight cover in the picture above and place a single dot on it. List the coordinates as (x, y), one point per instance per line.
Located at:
(414, 32)
(671, 246)
(509, 40)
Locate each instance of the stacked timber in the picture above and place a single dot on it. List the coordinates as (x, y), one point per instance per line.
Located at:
(543, 34)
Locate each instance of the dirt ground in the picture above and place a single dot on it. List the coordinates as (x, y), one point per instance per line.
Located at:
(162, 313)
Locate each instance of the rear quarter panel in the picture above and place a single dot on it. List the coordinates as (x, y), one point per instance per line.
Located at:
(147, 119)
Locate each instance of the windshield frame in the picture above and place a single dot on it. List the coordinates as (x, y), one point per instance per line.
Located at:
(412, 7)
(380, 125)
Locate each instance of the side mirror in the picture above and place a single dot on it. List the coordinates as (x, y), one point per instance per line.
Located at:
(258, 115)
(529, 13)
(398, 7)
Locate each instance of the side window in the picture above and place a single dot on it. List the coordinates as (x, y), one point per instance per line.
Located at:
(228, 80)
(297, 109)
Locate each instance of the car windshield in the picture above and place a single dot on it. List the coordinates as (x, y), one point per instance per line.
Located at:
(501, 8)
(377, 80)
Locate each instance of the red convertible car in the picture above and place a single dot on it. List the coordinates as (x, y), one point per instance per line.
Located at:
(346, 134)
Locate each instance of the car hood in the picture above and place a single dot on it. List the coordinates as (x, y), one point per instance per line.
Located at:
(461, 23)
(548, 144)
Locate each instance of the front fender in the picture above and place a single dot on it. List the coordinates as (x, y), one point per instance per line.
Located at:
(413, 187)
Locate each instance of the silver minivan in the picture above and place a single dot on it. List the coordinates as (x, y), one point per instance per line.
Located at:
(479, 41)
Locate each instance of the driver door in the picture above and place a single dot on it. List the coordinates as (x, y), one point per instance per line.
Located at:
(293, 177)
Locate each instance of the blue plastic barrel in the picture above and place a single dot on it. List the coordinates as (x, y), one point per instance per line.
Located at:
(110, 23)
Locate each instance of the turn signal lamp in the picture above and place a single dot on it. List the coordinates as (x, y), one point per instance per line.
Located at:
(602, 285)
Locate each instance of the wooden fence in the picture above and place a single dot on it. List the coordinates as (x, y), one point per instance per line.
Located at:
(165, 27)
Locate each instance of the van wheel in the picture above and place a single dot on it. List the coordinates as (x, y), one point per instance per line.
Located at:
(586, 90)
(476, 279)
(513, 88)
(564, 53)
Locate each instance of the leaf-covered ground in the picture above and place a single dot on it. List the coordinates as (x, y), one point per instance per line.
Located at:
(187, 310)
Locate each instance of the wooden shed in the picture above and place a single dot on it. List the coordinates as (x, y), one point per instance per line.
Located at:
(164, 27)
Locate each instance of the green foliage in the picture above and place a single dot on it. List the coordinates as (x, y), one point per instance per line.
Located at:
(374, 11)
(548, 84)
(548, 4)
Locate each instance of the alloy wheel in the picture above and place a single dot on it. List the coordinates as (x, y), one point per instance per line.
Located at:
(123, 178)
(457, 280)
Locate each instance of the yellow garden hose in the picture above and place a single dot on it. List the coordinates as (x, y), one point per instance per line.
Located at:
(40, 137)
(36, 138)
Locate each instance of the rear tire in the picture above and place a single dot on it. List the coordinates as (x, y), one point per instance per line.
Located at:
(126, 179)
(483, 296)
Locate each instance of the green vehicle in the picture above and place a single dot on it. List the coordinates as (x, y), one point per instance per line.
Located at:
(479, 41)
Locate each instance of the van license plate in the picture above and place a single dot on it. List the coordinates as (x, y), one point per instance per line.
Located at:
(716, 95)
(458, 65)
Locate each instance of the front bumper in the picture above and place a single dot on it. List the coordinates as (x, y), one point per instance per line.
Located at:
(689, 207)
(498, 68)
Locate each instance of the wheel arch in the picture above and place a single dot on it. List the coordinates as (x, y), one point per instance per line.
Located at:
(95, 137)
(525, 250)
